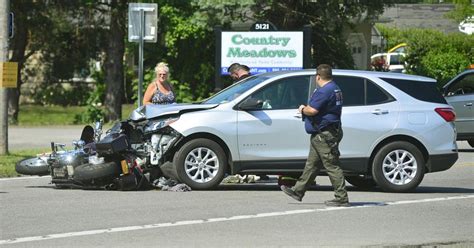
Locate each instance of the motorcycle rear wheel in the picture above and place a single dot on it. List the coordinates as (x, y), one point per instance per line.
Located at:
(95, 171)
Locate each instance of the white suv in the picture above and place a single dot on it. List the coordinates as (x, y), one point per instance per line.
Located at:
(467, 26)
(396, 127)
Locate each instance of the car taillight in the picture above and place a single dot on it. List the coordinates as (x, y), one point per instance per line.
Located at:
(447, 114)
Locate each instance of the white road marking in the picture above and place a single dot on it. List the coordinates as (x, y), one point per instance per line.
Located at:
(20, 178)
(221, 219)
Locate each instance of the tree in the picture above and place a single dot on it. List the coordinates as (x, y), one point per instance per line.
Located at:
(327, 19)
(72, 33)
(62, 35)
(114, 52)
(24, 22)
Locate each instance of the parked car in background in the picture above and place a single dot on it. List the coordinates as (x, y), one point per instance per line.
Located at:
(459, 93)
(467, 25)
(393, 62)
(397, 127)
(400, 48)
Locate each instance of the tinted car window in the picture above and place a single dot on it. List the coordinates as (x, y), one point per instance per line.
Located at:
(462, 86)
(396, 59)
(360, 91)
(287, 93)
(353, 90)
(376, 95)
(423, 91)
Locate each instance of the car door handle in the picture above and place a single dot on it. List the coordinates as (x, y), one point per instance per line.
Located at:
(469, 104)
(379, 112)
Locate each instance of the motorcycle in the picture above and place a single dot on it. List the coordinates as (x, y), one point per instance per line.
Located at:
(125, 159)
(131, 155)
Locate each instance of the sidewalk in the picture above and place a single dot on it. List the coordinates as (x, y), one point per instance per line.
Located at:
(22, 138)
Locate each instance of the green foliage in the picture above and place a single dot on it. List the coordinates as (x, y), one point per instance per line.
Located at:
(66, 94)
(463, 9)
(148, 77)
(328, 21)
(432, 53)
(94, 111)
(443, 66)
(185, 37)
(183, 92)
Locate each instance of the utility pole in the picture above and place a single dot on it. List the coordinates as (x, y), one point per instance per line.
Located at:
(4, 12)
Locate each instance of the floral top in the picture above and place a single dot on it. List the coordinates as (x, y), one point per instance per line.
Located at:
(162, 98)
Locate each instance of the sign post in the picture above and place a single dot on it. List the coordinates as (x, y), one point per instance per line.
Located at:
(142, 27)
(4, 10)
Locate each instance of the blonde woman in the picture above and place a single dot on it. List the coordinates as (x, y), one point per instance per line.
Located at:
(160, 91)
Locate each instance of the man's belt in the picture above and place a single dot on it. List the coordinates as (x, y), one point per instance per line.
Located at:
(330, 127)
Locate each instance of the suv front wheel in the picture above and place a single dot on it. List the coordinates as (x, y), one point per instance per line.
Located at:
(200, 163)
(398, 167)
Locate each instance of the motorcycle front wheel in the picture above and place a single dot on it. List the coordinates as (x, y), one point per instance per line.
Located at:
(32, 166)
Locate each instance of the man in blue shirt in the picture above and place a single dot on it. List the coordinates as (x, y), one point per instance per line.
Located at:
(322, 119)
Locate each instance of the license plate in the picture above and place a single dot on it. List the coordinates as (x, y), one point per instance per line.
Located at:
(59, 172)
(124, 165)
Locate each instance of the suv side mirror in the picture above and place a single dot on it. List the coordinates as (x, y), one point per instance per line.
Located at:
(251, 104)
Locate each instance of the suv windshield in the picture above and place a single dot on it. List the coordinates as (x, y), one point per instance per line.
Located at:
(233, 91)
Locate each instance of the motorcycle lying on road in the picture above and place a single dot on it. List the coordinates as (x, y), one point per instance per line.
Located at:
(131, 155)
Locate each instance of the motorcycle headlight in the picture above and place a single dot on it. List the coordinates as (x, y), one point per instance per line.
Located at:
(158, 124)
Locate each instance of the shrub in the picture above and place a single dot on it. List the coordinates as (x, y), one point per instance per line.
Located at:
(432, 53)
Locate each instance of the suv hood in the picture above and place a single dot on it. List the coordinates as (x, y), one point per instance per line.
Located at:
(152, 111)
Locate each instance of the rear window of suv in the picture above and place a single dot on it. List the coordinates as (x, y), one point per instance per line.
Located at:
(423, 91)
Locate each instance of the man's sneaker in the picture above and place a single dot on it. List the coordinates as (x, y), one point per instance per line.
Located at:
(290, 192)
(337, 203)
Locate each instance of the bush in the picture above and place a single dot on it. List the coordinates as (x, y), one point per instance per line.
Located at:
(432, 53)
(443, 66)
(95, 110)
(66, 94)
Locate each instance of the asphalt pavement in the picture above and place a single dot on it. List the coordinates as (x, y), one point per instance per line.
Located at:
(23, 138)
(439, 213)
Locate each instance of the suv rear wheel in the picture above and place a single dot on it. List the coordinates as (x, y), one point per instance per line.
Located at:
(398, 167)
(200, 163)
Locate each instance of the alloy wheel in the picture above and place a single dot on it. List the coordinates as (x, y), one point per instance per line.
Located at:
(399, 167)
(201, 164)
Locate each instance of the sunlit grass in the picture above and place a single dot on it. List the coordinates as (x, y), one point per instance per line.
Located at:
(34, 115)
